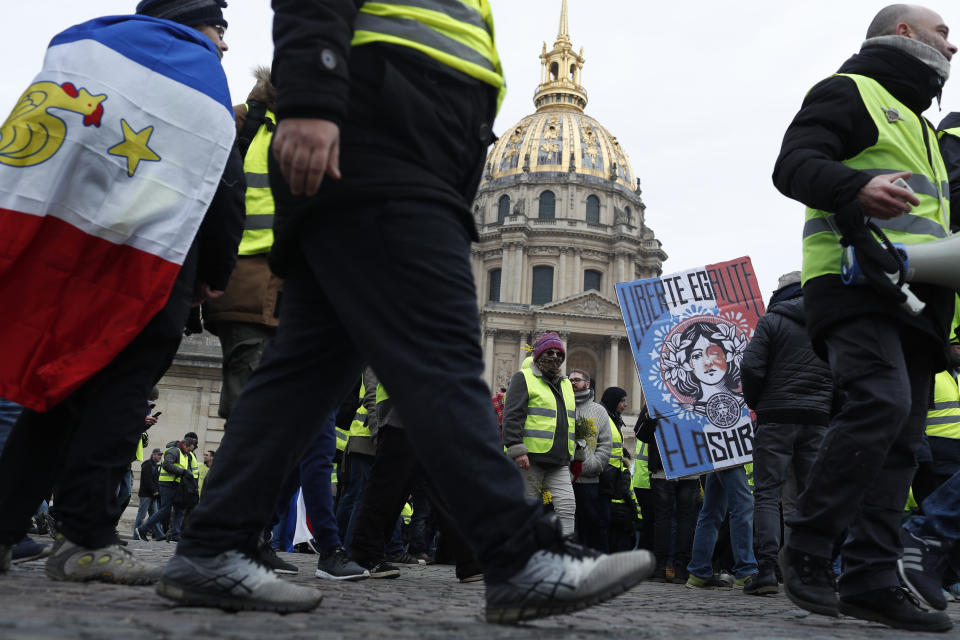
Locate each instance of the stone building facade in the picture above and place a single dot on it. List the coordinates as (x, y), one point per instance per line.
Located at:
(561, 221)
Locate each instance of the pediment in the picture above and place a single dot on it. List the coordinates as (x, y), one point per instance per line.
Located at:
(590, 303)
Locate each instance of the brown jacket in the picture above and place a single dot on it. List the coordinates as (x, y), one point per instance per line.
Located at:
(253, 293)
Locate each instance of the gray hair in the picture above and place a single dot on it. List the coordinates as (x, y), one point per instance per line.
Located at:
(886, 21)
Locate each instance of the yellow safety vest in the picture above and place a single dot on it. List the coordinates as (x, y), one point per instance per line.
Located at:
(187, 461)
(641, 467)
(258, 225)
(748, 469)
(140, 449)
(904, 142)
(943, 421)
(457, 33)
(540, 427)
(359, 428)
(406, 513)
(616, 451)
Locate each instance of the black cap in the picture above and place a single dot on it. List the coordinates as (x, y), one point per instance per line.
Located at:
(192, 13)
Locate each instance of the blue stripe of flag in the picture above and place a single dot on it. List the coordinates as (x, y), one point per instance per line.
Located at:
(180, 53)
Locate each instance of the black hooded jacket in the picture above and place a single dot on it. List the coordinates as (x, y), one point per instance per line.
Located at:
(783, 379)
(833, 125)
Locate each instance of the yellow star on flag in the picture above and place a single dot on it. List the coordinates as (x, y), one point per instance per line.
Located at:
(134, 147)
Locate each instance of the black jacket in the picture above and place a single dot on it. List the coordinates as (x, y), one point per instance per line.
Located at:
(645, 430)
(831, 126)
(149, 479)
(219, 236)
(783, 379)
(950, 150)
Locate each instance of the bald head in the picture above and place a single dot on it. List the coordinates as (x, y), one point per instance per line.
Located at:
(914, 22)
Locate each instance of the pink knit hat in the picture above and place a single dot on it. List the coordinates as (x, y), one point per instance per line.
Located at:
(549, 340)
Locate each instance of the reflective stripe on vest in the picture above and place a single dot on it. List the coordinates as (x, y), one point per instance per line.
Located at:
(540, 426)
(641, 468)
(359, 428)
(943, 421)
(903, 142)
(342, 437)
(186, 461)
(616, 451)
(457, 33)
(258, 225)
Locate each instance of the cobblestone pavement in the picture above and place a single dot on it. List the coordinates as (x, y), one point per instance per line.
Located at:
(425, 602)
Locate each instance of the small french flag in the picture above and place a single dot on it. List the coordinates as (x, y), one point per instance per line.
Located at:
(108, 163)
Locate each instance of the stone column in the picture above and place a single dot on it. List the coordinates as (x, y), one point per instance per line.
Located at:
(506, 264)
(488, 360)
(562, 290)
(521, 352)
(636, 400)
(577, 269)
(565, 339)
(519, 268)
(613, 362)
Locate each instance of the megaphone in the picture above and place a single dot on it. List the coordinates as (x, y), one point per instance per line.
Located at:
(936, 262)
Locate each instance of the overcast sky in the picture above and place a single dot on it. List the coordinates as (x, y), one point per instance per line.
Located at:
(698, 93)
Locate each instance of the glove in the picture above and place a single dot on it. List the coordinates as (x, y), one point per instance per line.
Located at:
(873, 258)
(576, 468)
(145, 439)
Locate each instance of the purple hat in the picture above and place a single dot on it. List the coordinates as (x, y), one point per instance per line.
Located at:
(549, 340)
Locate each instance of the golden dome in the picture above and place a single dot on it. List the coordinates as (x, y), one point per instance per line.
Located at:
(560, 137)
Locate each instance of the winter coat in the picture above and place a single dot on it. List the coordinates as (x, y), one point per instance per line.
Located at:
(149, 479)
(253, 293)
(597, 452)
(783, 379)
(515, 415)
(646, 430)
(833, 125)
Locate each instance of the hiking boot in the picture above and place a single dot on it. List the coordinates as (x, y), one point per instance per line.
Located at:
(715, 581)
(232, 581)
(404, 558)
(27, 549)
(895, 607)
(563, 578)
(379, 568)
(335, 565)
(670, 574)
(270, 559)
(764, 583)
(112, 563)
(425, 558)
(659, 575)
(745, 581)
(922, 567)
(808, 581)
(680, 574)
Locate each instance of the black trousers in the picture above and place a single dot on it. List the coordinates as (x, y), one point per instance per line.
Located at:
(392, 478)
(863, 469)
(81, 448)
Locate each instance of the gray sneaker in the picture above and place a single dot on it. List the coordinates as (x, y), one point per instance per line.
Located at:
(564, 579)
(337, 566)
(234, 582)
(113, 563)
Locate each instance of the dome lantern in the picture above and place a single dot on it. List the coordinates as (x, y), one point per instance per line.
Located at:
(560, 87)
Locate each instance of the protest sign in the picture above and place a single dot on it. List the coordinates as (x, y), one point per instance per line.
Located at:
(688, 332)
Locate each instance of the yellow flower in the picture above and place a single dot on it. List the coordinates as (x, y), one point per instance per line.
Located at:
(547, 498)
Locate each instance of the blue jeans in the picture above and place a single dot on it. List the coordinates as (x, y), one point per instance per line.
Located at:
(941, 511)
(725, 488)
(167, 509)
(358, 468)
(9, 412)
(148, 507)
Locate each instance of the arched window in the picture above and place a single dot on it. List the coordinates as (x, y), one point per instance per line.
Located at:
(493, 291)
(554, 71)
(593, 209)
(592, 279)
(626, 210)
(573, 73)
(542, 285)
(548, 205)
(503, 208)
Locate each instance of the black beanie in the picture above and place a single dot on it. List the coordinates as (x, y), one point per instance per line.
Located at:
(192, 13)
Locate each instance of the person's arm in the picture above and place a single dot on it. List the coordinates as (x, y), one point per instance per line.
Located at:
(370, 381)
(515, 415)
(171, 462)
(596, 460)
(221, 230)
(646, 427)
(753, 371)
(950, 150)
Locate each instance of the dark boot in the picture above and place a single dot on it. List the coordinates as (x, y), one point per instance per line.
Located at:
(809, 582)
(765, 582)
(895, 607)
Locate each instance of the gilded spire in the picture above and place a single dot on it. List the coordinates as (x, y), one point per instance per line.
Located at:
(560, 86)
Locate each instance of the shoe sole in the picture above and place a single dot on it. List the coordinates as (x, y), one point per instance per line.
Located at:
(101, 577)
(38, 556)
(867, 614)
(762, 591)
(469, 579)
(192, 598)
(386, 575)
(512, 616)
(286, 572)
(351, 578)
(919, 596)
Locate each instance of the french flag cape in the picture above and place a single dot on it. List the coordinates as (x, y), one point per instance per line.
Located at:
(108, 163)
(688, 332)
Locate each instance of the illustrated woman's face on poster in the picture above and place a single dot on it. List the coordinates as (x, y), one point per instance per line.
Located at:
(708, 361)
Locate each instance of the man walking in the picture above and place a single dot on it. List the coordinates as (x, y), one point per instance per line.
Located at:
(149, 494)
(791, 390)
(393, 103)
(858, 136)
